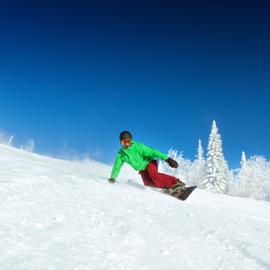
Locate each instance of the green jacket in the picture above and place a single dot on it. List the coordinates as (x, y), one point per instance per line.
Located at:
(137, 155)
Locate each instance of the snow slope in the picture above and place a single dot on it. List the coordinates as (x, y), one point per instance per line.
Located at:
(57, 214)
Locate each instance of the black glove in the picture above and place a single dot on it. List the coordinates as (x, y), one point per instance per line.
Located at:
(111, 180)
(172, 163)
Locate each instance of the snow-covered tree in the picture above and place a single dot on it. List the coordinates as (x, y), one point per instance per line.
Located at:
(254, 178)
(243, 160)
(238, 187)
(200, 155)
(199, 169)
(218, 174)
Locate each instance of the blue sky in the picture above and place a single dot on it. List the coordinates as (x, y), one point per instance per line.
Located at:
(75, 74)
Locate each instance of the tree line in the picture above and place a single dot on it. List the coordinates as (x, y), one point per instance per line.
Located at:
(212, 173)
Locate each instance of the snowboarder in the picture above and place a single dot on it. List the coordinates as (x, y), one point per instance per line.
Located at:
(144, 159)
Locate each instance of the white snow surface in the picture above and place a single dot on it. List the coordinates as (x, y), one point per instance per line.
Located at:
(57, 214)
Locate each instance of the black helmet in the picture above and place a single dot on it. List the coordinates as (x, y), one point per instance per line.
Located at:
(124, 135)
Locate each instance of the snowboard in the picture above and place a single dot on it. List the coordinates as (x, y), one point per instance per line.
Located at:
(184, 194)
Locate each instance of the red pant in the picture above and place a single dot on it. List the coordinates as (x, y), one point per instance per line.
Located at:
(151, 177)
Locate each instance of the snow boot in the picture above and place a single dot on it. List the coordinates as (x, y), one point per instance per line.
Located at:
(176, 189)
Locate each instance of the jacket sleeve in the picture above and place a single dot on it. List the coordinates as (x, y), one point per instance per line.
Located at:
(152, 153)
(117, 166)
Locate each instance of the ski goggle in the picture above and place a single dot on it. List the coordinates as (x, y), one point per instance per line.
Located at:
(126, 142)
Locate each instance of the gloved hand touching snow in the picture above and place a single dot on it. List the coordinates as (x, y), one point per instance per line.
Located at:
(111, 180)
